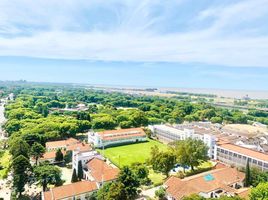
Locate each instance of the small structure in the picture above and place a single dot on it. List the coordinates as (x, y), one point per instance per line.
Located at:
(210, 184)
(70, 144)
(116, 137)
(99, 171)
(50, 157)
(61, 144)
(83, 156)
(80, 190)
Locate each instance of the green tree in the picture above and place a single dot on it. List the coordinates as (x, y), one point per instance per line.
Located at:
(59, 156)
(21, 169)
(37, 151)
(74, 176)
(19, 147)
(80, 171)
(191, 152)
(141, 171)
(161, 193)
(48, 174)
(260, 192)
(248, 176)
(129, 181)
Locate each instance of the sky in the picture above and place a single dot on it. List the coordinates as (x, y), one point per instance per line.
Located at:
(172, 43)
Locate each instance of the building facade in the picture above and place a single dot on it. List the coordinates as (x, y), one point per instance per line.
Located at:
(170, 134)
(116, 137)
(239, 156)
(75, 191)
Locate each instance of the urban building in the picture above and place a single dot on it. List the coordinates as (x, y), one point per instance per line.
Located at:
(238, 156)
(75, 191)
(100, 171)
(61, 144)
(65, 146)
(84, 157)
(181, 132)
(50, 157)
(211, 184)
(116, 137)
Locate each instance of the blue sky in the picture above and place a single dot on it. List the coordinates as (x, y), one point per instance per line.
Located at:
(178, 43)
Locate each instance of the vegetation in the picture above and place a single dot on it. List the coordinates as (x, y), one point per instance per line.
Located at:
(48, 175)
(37, 151)
(74, 176)
(80, 171)
(129, 154)
(59, 156)
(162, 161)
(260, 192)
(21, 170)
(126, 187)
(191, 152)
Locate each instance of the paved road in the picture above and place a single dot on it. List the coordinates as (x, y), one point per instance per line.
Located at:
(2, 118)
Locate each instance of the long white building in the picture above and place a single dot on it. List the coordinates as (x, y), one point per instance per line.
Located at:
(116, 137)
(169, 134)
(220, 148)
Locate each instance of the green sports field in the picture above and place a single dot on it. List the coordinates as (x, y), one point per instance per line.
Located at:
(128, 154)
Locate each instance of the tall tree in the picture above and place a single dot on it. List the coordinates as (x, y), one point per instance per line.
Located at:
(37, 151)
(130, 182)
(59, 156)
(48, 174)
(191, 152)
(80, 171)
(21, 169)
(19, 147)
(74, 176)
(163, 161)
(248, 175)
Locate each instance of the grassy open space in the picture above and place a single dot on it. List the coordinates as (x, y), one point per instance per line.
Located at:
(4, 163)
(128, 154)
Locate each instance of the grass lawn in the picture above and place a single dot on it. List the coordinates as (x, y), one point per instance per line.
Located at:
(128, 154)
(140, 152)
(4, 163)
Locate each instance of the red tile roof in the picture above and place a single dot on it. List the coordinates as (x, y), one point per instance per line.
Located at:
(122, 133)
(245, 151)
(70, 190)
(99, 170)
(221, 179)
(60, 143)
(50, 155)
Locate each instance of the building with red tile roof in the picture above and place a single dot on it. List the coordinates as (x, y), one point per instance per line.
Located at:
(61, 144)
(238, 156)
(210, 184)
(79, 190)
(98, 170)
(116, 137)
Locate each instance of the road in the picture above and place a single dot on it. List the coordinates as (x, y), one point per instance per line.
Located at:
(2, 118)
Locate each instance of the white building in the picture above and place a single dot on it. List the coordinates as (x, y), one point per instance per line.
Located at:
(116, 137)
(84, 157)
(170, 134)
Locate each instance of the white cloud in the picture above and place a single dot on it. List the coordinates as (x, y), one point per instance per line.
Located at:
(54, 30)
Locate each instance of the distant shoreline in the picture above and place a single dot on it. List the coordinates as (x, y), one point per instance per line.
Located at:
(228, 93)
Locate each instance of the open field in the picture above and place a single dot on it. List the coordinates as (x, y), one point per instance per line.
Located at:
(4, 163)
(128, 154)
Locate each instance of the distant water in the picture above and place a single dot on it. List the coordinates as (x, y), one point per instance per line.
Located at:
(253, 94)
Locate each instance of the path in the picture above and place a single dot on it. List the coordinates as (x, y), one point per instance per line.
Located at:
(2, 118)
